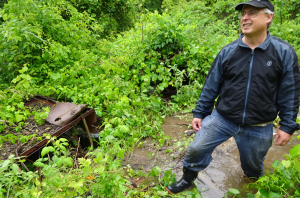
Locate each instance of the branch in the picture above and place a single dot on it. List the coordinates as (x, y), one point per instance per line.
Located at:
(5, 121)
(37, 37)
(77, 151)
(17, 92)
(147, 187)
(16, 151)
(291, 191)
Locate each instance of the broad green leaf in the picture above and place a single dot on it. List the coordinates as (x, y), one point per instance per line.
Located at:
(63, 139)
(11, 139)
(274, 195)
(198, 196)
(121, 154)
(276, 164)
(233, 191)
(19, 117)
(123, 128)
(249, 195)
(54, 158)
(15, 168)
(5, 164)
(85, 162)
(44, 115)
(114, 165)
(295, 151)
(287, 173)
(76, 185)
(158, 169)
(55, 76)
(26, 85)
(51, 148)
(62, 147)
(38, 164)
(263, 179)
(45, 151)
(122, 188)
(297, 165)
(162, 193)
(59, 162)
(68, 161)
(264, 193)
(55, 181)
(286, 164)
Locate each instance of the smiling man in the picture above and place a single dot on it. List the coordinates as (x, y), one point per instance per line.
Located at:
(255, 78)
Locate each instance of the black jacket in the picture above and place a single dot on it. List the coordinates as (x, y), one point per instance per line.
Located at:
(253, 85)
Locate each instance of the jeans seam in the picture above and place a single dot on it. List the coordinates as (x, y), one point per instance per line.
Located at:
(237, 131)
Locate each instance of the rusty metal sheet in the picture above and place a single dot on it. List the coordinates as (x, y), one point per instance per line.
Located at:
(63, 113)
(90, 119)
(40, 100)
(59, 132)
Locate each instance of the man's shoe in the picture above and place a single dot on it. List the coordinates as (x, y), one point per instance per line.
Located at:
(185, 182)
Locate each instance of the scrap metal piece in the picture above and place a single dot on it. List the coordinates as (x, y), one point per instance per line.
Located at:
(40, 100)
(90, 119)
(63, 113)
(59, 132)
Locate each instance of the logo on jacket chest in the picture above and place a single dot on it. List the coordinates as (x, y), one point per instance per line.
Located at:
(269, 63)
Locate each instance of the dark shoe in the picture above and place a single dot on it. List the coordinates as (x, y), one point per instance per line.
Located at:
(185, 182)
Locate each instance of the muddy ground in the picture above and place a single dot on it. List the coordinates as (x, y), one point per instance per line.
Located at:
(223, 172)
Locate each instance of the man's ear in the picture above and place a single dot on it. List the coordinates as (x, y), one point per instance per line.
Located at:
(269, 18)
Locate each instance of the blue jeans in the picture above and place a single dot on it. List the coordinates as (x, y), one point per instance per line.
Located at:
(253, 143)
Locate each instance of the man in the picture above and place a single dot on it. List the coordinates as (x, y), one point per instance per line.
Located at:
(255, 77)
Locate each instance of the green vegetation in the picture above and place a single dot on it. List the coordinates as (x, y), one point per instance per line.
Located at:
(283, 182)
(117, 57)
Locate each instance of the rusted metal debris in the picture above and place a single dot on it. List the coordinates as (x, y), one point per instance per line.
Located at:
(65, 115)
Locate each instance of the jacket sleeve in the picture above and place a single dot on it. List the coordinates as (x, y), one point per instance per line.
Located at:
(288, 93)
(210, 90)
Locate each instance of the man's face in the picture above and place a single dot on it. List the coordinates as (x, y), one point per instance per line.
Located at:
(255, 25)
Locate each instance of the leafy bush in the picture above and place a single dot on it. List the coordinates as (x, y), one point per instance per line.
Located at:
(35, 34)
(283, 182)
(54, 48)
(113, 16)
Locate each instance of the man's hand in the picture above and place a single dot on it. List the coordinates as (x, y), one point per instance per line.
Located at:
(197, 122)
(283, 138)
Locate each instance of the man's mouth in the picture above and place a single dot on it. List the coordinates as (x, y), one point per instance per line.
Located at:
(246, 25)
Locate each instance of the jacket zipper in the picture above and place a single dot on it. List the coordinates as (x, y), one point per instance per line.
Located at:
(248, 86)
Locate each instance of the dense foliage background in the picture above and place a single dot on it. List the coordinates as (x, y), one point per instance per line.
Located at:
(118, 57)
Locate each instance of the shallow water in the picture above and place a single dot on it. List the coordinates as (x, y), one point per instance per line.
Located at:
(223, 172)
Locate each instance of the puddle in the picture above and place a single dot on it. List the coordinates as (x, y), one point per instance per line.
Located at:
(149, 154)
(223, 172)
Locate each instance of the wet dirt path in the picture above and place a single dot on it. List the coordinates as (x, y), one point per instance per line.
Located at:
(223, 172)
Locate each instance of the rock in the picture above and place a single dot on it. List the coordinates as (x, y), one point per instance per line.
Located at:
(189, 132)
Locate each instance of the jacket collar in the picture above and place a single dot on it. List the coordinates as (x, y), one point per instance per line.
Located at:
(263, 46)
